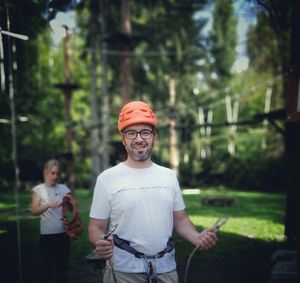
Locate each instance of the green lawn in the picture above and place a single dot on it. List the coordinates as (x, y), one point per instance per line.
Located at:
(253, 232)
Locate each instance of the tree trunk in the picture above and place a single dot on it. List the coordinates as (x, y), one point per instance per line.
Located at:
(95, 143)
(292, 227)
(105, 99)
(173, 139)
(126, 60)
(68, 110)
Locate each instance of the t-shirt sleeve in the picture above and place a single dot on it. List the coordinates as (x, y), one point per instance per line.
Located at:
(38, 189)
(178, 201)
(66, 190)
(100, 208)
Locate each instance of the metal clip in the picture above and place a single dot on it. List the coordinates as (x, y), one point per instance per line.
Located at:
(151, 273)
(220, 222)
(105, 236)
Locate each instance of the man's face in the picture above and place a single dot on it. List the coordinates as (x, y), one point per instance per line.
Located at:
(139, 140)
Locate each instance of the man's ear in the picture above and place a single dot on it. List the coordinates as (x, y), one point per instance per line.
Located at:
(123, 140)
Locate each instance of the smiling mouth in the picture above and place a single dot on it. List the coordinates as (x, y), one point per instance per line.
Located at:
(139, 146)
(140, 149)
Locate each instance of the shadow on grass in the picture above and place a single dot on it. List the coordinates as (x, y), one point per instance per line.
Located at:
(237, 258)
(234, 259)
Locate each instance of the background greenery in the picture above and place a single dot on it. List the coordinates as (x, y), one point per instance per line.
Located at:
(168, 41)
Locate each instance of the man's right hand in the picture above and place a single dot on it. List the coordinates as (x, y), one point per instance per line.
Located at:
(105, 248)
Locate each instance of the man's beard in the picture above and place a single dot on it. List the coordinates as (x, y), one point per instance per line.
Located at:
(142, 155)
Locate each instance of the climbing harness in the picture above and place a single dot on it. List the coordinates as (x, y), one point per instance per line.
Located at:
(73, 226)
(150, 260)
(220, 222)
(125, 245)
(151, 267)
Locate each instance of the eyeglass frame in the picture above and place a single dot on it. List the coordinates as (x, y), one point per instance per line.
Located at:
(139, 133)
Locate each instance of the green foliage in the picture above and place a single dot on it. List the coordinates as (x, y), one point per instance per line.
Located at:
(174, 46)
(167, 43)
(252, 166)
(224, 38)
(28, 78)
(267, 57)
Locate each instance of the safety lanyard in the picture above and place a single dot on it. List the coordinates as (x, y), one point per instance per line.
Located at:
(151, 271)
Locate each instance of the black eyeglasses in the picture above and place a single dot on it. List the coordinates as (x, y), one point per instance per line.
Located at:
(144, 134)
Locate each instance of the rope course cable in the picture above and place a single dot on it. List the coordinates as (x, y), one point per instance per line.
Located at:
(10, 34)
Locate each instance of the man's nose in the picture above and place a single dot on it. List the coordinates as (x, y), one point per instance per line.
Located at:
(139, 137)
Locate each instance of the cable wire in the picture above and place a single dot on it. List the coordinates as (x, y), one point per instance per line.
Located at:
(188, 263)
(220, 222)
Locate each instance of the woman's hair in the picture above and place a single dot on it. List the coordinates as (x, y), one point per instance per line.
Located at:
(51, 163)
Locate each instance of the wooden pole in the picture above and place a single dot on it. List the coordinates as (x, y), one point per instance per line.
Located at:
(95, 142)
(292, 140)
(126, 60)
(68, 103)
(232, 117)
(173, 139)
(105, 98)
(205, 132)
(13, 130)
(264, 143)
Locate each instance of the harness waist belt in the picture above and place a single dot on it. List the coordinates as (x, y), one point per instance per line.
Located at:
(125, 245)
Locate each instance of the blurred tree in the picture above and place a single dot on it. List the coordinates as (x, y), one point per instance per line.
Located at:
(223, 41)
(155, 38)
(34, 68)
(267, 58)
(284, 18)
(172, 35)
(166, 44)
(20, 57)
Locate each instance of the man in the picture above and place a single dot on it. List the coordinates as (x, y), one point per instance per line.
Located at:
(142, 201)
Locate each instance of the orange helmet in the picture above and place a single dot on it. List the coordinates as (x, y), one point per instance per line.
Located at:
(136, 112)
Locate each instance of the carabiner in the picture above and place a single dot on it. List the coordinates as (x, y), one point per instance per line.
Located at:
(220, 222)
(105, 236)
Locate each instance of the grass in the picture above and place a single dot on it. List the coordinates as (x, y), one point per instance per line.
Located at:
(253, 232)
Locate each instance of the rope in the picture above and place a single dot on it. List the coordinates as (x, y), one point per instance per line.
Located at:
(113, 270)
(218, 224)
(188, 264)
(105, 237)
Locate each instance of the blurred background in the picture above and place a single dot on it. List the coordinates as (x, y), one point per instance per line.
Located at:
(215, 73)
(222, 77)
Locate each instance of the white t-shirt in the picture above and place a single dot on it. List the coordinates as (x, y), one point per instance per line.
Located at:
(141, 202)
(51, 218)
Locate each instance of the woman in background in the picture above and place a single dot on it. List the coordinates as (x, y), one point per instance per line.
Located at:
(47, 201)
